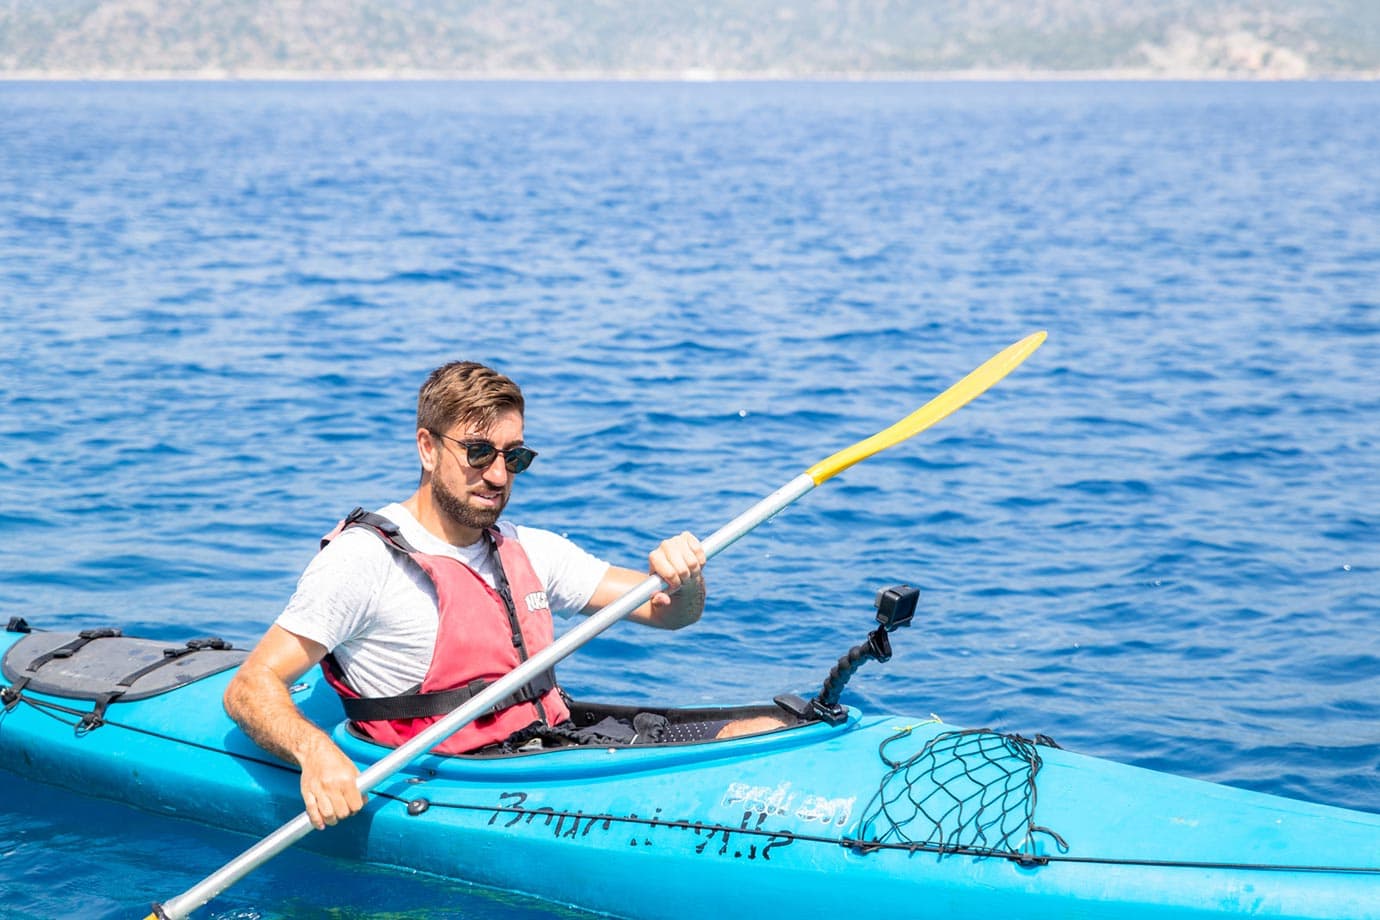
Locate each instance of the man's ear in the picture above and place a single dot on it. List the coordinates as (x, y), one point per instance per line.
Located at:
(428, 450)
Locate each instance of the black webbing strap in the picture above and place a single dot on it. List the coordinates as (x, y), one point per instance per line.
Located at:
(424, 705)
(96, 717)
(10, 695)
(385, 528)
(172, 654)
(505, 593)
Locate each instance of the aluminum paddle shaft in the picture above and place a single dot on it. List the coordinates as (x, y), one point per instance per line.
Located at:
(955, 397)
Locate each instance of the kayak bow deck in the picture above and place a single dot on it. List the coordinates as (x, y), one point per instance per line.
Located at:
(875, 811)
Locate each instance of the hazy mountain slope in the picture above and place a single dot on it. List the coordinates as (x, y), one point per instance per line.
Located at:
(786, 37)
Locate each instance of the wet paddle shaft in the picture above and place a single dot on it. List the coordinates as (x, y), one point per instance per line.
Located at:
(955, 397)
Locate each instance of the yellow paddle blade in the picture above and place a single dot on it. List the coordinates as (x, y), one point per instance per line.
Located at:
(955, 397)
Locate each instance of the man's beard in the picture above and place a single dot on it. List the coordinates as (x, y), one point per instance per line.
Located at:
(459, 512)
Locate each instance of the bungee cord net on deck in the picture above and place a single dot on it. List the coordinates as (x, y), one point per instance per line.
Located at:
(964, 792)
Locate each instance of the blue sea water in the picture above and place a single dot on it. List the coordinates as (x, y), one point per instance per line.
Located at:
(1158, 541)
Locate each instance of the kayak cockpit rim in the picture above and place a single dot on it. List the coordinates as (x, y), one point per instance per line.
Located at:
(595, 759)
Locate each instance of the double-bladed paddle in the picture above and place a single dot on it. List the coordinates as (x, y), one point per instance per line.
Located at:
(955, 397)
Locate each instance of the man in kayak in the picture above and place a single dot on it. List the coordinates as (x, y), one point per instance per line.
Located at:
(410, 610)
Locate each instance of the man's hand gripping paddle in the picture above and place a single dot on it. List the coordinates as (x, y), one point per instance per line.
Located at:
(952, 399)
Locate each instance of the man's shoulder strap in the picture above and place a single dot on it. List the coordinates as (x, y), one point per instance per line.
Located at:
(379, 525)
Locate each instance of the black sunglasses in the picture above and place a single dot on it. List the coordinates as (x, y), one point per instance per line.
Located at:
(480, 454)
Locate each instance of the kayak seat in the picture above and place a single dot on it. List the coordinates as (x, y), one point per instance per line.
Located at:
(615, 725)
(655, 725)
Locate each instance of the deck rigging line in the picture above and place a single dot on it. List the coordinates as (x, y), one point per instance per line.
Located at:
(418, 806)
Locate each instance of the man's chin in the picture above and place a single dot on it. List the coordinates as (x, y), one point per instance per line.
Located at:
(486, 512)
(478, 518)
(485, 520)
(467, 515)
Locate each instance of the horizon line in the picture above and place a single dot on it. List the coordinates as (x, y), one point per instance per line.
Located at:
(685, 75)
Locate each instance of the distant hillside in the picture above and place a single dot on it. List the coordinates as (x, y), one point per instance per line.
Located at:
(1242, 38)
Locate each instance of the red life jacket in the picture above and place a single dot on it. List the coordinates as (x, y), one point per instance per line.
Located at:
(481, 635)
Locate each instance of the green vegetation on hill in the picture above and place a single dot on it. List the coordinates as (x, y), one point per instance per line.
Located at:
(1265, 38)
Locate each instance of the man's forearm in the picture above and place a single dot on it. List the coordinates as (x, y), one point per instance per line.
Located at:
(259, 701)
(262, 707)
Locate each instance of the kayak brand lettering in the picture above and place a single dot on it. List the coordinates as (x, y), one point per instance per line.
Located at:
(749, 840)
(566, 824)
(780, 800)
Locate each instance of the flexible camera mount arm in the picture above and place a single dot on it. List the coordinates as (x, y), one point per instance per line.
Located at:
(895, 608)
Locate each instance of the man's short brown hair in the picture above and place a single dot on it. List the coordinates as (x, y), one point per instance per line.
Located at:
(465, 392)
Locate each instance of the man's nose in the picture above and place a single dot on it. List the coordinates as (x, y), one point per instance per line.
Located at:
(497, 473)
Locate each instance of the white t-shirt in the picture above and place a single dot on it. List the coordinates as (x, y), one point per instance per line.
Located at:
(379, 617)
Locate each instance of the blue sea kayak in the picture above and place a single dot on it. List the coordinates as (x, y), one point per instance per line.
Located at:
(878, 814)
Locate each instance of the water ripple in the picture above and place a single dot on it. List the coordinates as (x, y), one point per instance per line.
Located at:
(1156, 542)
